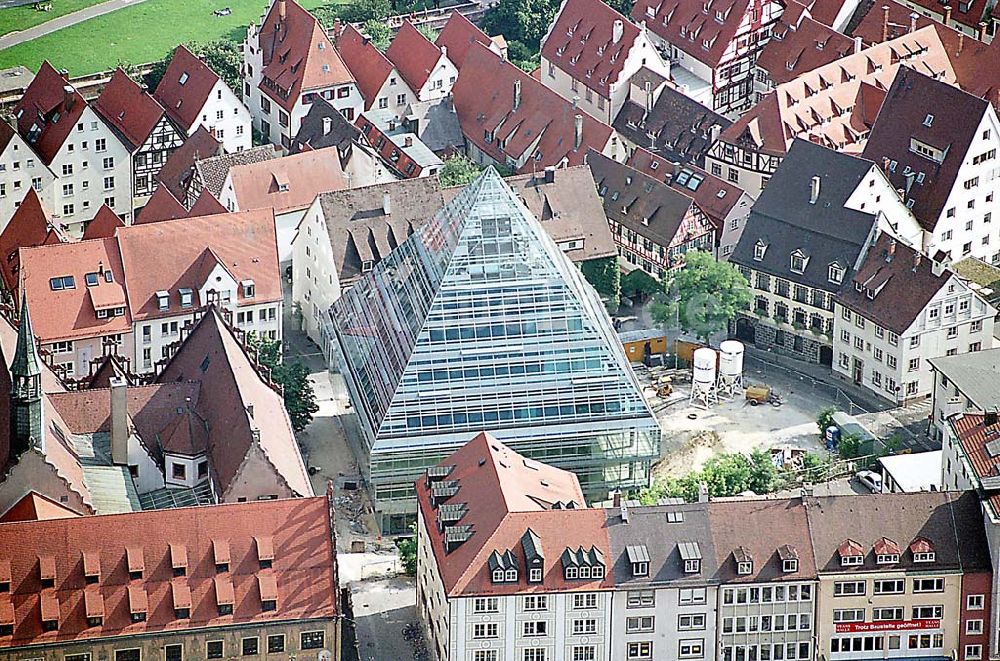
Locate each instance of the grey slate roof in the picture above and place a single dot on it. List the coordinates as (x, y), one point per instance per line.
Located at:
(784, 220)
(976, 375)
(677, 128)
(436, 124)
(342, 134)
(212, 171)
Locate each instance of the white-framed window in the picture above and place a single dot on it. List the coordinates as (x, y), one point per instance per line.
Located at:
(536, 602)
(585, 627)
(975, 602)
(584, 601)
(486, 655)
(693, 648)
(848, 588)
(485, 630)
(691, 622)
(584, 653)
(849, 615)
(639, 650)
(533, 654)
(486, 605)
(639, 624)
(534, 628)
(640, 599)
(928, 585)
(685, 596)
(890, 585)
(887, 614)
(973, 627)
(973, 652)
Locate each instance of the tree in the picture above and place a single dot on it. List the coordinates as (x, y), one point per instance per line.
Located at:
(408, 552)
(824, 419)
(525, 58)
(849, 446)
(521, 20)
(637, 282)
(707, 295)
(428, 31)
(458, 170)
(300, 400)
(359, 11)
(605, 276)
(225, 58)
(723, 474)
(380, 34)
(763, 473)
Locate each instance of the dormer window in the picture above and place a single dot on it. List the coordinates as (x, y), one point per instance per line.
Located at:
(535, 575)
(510, 576)
(187, 297)
(798, 262)
(744, 568)
(137, 603)
(248, 288)
(503, 567)
(851, 553)
(692, 566)
(928, 120)
(136, 564)
(498, 576)
(835, 274)
(572, 573)
(923, 557)
(888, 559)
(790, 566)
(922, 550)
(638, 557)
(690, 554)
(886, 551)
(162, 300)
(758, 250)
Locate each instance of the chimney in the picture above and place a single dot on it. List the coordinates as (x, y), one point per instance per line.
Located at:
(616, 495)
(327, 125)
(64, 73)
(937, 267)
(713, 133)
(550, 174)
(913, 21)
(408, 141)
(69, 94)
(961, 42)
(444, 51)
(858, 44)
(649, 96)
(982, 31)
(281, 10)
(916, 262)
(885, 164)
(517, 94)
(617, 31)
(892, 250)
(885, 22)
(338, 27)
(576, 102)
(577, 131)
(386, 204)
(702, 492)
(814, 189)
(947, 14)
(119, 421)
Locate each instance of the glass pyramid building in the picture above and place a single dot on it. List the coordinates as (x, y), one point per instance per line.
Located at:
(478, 321)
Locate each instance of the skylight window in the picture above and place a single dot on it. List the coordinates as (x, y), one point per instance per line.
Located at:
(184, 78)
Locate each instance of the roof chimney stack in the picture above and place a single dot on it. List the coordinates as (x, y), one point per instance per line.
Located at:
(982, 31)
(913, 21)
(408, 141)
(550, 175)
(892, 250)
(858, 45)
(119, 421)
(947, 15)
(648, 88)
(69, 94)
(517, 94)
(327, 125)
(617, 31)
(577, 131)
(702, 492)
(916, 262)
(386, 204)
(814, 189)
(885, 23)
(281, 10)
(961, 42)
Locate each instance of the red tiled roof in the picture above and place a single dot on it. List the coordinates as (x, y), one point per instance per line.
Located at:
(668, 17)
(162, 205)
(48, 95)
(414, 55)
(458, 35)
(128, 108)
(169, 255)
(849, 548)
(31, 225)
(506, 495)
(799, 44)
(183, 101)
(298, 56)
(241, 406)
(289, 183)
(580, 42)
(303, 569)
(974, 435)
(35, 507)
(66, 314)
(824, 11)
(103, 225)
(484, 97)
(177, 172)
(975, 64)
(885, 546)
(921, 545)
(367, 64)
(206, 205)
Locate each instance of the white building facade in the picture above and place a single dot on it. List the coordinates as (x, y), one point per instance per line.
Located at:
(21, 169)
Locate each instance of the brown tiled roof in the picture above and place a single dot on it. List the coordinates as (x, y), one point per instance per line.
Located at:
(288, 183)
(714, 196)
(297, 54)
(581, 43)
(30, 225)
(824, 11)
(184, 100)
(243, 413)
(171, 255)
(458, 35)
(951, 520)
(103, 225)
(669, 17)
(955, 116)
(48, 95)
(128, 109)
(414, 55)
(799, 43)
(897, 283)
(484, 97)
(206, 205)
(36, 507)
(878, 24)
(162, 205)
(303, 568)
(368, 65)
(978, 442)
(213, 170)
(177, 172)
(975, 64)
(506, 495)
(66, 314)
(760, 527)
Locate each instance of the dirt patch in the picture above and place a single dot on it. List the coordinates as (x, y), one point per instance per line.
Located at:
(690, 454)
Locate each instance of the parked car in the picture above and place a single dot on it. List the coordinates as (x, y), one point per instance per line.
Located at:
(871, 480)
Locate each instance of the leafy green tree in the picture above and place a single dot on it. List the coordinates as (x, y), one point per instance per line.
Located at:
(824, 419)
(300, 399)
(359, 11)
(524, 57)
(225, 58)
(521, 20)
(707, 293)
(849, 446)
(605, 276)
(408, 552)
(638, 282)
(380, 33)
(723, 474)
(428, 31)
(458, 170)
(763, 473)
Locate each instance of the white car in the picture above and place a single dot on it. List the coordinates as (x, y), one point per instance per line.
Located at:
(871, 480)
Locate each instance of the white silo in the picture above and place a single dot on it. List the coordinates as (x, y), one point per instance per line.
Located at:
(703, 379)
(730, 368)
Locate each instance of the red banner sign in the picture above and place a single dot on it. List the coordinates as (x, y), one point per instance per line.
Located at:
(891, 625)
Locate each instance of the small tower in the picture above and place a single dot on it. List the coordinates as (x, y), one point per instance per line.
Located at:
(26, 389)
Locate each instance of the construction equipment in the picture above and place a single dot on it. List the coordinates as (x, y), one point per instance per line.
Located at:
(664, 386)
(758, 394)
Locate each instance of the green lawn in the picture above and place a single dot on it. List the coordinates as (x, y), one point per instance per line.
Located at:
(25, 16)
(137, 34)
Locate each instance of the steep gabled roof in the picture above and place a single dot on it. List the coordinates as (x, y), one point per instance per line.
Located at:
(103, 225)
(242, 412)
(162, 205)
(458, 35)
(934, 113)
(674, 20)
(581, 43)
(36, 507)
(367, 64)
(185, 87)
(179, 169)
(212, 170)
(297, 54)
(543, 122)
(414, 55)
(325, 126)
(128, 109)
(48, 99)
(287, 183)
(31, 225)
(206, 205)
(799, 43)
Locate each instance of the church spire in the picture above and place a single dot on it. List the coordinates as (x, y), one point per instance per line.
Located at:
(26, 389)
